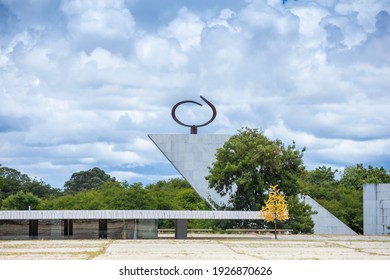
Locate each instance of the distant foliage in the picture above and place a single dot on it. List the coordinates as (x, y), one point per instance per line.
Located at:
(339, 192)
(13, 181)
(85, 180)
(21, 201)
(344, 197)
(356, 176)
(175, 194)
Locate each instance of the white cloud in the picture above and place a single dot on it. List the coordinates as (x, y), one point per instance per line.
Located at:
(156, 53)
(346, 28)
(102, 23)
(224, 19)
(331, 151)
(186, 28)
(103, 59)
(268, 22)
(365, 11)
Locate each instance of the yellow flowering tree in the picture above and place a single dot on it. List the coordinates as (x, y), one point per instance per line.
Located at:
(275, 207)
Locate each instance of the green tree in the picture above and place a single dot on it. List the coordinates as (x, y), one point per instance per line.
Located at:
(248, 163)
(115, 195)
(321, 175)
(137, 197)
(64, 202)
(21, 201)
(344, 197)
(84, 180)
(13, 181)
(188, 199)
(300, 216)
(163, 193)
(347, 205)
(320, 183)
(176, 194)
(356, 176)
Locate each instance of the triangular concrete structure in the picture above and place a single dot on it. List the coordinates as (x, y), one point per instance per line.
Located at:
(192, 154)
(324, 221)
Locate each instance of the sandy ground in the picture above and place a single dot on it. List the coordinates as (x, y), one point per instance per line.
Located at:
(205, 247)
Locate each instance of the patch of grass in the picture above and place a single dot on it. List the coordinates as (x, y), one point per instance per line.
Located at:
(102, 250)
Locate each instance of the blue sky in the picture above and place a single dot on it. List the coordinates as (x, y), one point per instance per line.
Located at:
(83, 82)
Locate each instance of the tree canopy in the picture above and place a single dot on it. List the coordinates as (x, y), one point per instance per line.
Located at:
(248, 163)
(174, 194)
(13, 181)
(21, 201)
(356, 176)
(85, 180)
(275, 207)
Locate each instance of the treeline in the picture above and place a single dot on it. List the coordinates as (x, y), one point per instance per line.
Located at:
(175, 194)
(96, 190)
(339, 192)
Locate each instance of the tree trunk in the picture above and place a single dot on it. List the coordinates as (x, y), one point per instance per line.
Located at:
(275, 231)
(275, 222)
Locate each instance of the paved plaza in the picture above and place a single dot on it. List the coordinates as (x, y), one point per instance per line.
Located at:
(204, 247)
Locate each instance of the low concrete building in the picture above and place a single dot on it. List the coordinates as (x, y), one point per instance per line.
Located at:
(113, 224)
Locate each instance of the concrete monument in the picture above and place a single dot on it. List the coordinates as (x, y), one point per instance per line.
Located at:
(192, 154)
(376, 209)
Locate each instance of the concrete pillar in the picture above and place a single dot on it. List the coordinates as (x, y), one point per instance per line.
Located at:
(103, 228)
(376, 209)
(181, 229)
(33, 229)
(68, 228)
(55, 229)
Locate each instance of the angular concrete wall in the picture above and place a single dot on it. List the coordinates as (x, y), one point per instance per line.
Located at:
(191, 154)
(324, 221)
(376, 209)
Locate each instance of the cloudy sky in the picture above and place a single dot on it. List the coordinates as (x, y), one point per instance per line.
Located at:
(82, 82)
